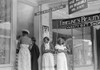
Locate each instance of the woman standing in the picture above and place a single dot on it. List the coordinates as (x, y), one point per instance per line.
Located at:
(47, 58)
(24, 62)
(34, 55)
(61, 57)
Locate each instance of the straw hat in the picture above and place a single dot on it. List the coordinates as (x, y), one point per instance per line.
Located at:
(26, 31)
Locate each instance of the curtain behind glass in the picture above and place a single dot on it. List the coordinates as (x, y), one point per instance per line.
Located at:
(5, 31)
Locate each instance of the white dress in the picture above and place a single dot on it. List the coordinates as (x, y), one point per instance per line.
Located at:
(61, 58)
(47, 59)
(24, 58)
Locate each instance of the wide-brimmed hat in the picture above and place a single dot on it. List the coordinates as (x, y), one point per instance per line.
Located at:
(25, 30)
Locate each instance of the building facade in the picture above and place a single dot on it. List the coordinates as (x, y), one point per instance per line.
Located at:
(82, 39)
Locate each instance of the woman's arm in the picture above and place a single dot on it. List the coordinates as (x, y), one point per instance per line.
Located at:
(59, 51)
(30, 46)
(47, 50)
(42, 49)
(63, 50)
(37, 51)
(18, 46)
(52, 49)
(68, 48)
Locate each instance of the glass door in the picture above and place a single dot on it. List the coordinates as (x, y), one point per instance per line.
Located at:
(96, 46)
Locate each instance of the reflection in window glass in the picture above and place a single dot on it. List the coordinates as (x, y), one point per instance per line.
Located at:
(4, 42)
(79, 41)
(87, 46)
(5, 31)
(82, 46)
(77, 46)
(67, 34)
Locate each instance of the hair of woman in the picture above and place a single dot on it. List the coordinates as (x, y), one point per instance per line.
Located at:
(59, 40)
(45, 39)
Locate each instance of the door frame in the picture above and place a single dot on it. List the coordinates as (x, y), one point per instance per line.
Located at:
(95, 46)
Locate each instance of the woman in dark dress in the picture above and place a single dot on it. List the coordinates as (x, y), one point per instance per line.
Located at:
(34, 55)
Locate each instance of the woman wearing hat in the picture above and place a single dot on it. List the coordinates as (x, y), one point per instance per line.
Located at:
(47, 50)
(24, 60)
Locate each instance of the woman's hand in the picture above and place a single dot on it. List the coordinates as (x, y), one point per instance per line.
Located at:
(51, 51)
(59, 51)
(30, 47)
(46, 51)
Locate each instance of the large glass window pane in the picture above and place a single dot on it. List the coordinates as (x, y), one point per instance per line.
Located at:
(82, 46)
(87, 45)
(77, 46)
(5, 31)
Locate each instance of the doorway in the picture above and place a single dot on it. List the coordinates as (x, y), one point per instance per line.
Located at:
(98, 48)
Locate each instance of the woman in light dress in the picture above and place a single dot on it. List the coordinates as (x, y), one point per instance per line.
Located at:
(47, 52)
(61, 57)
(24, 60)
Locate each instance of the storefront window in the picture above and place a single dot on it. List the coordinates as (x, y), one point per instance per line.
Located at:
(5, 31)
(82, 47)
(78, 33)
(79, 42)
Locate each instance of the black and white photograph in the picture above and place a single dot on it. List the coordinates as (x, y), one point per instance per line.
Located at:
(49, 34)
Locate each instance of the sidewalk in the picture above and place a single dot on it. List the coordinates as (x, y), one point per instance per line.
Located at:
(84, 68)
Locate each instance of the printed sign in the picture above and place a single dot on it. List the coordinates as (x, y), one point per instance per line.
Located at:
(83, 21)
(76, 5)
(45, 31)
(51, 9)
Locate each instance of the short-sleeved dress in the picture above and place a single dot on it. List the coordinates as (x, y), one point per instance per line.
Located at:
(24, 60)
(61, 58)
(47, 59)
